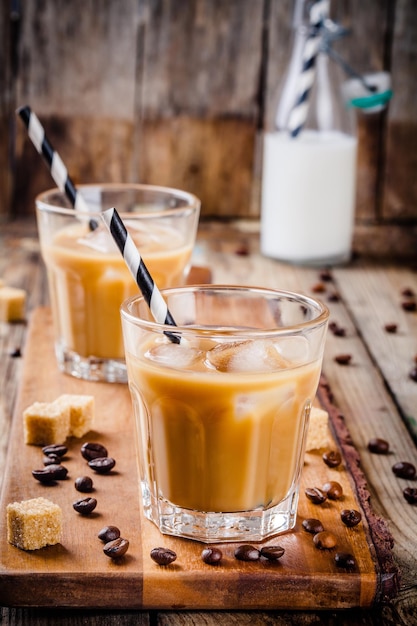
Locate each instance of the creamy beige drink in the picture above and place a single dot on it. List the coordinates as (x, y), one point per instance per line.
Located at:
(221, 402)
(89, 280)
(223, 439)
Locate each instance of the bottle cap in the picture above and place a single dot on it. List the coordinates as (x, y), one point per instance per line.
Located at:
(372, 99)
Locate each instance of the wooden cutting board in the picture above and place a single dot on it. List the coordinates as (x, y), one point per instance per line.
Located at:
(76, 573)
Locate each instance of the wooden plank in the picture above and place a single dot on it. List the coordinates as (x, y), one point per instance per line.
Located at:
(79, 575)
(400, 186)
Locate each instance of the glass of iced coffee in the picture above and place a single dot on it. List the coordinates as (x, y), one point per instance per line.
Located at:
(87, 276)
(222, 414)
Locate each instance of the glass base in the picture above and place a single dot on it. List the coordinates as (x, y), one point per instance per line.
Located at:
(90, 368)
(255, 525)
(336, 259)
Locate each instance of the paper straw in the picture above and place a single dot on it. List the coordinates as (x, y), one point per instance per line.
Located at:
(318, 13)
(54, 162)
(140, 272)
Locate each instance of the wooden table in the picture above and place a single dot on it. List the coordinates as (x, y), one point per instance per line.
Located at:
(374, 392)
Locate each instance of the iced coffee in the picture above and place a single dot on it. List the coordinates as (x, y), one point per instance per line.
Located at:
(222, 415)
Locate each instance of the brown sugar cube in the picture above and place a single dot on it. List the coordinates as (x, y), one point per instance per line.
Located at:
(34, 524)
(46, 423)
(318, 430)
(81, 410)
(12, 304)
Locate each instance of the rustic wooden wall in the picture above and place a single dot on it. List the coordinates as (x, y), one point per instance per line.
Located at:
(176, 92)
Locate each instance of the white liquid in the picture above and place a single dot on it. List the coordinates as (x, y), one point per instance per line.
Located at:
(308, 196)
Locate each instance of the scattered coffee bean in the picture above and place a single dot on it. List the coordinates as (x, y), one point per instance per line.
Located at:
(409, 305)
(407, 292)
(343, 359)
(16, 353)
(52, 459)
(109, 533)
(332, 458)
(337, 330)
(410, 494)
(316, 495)
(163, 556)
(403, 469)
(413, 374)
(345, 560)
(93, 451)
(246, 552)
(85, 506)
(50, 473)
(102, 465)
(272, 553)
(333, 489)
(212, 556)
(312, 525)
(378, 446)
(333, 297)
(58, 449)
(242, 250)
(84, 484)
(350, 517)
(324, 540)
(116, 548)
(318, 288)
(326, 276)
(391, 328)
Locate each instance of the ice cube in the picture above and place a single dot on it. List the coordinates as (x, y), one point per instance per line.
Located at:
(246, 356)
(99, 239)
(173, 355)
(294, 349)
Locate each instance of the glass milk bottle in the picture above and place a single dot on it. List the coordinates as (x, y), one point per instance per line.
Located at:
(309, 154)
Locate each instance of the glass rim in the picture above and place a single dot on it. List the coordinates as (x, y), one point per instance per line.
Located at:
(204, 330)
(193, 202)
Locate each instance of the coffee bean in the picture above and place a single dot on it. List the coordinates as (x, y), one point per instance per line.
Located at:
(212, 556)
(324, 540)
(326, 275)
(413, 374)
(116, 548)
(50, 473)
(318, 288)
(378, 446)
(343, 359)
(333, 297)
(312, 525)
(333, 489)
(102, 465)
(84, 484)
(272, 553)
(407, 292)
(85, 506)
(350, 517)
(16, 353)
(246, 552)
(391, 328)
(57, 448)
(345, 560)
(163, 556)
(410, 494)
(409, 305)
(403, 469)
(337, 330)
(332, 458)
(93, 451)
(52, 459)
(109, 533)
(316, 495)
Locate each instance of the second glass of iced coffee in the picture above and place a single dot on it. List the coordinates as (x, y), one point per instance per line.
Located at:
(88, 278)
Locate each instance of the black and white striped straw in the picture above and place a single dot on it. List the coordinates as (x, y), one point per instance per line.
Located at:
(54, 162)
(319, 11)
(140, 272)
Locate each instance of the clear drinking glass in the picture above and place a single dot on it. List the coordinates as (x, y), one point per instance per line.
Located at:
(87, 276)
(222, 416)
